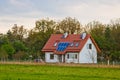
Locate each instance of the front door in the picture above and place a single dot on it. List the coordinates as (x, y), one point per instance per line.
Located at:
(60, 58)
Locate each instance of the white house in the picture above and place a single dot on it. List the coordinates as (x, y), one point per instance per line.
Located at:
(71, 48)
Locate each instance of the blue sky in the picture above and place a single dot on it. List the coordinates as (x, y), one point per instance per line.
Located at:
(26, 12)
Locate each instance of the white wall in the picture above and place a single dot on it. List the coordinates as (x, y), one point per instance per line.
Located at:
(71, 58)
(88, 55)
(47, 57)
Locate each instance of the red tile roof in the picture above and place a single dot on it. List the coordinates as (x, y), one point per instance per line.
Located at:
(71, 38)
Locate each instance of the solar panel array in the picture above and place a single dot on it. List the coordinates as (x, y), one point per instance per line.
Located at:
(62, 46)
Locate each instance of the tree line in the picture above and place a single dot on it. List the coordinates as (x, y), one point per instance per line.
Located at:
(23, 44)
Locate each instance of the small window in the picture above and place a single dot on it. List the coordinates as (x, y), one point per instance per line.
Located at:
(67, 56)
(51, 56)
(90, 46)
(72, 44)
(75, 56)
(77, 44)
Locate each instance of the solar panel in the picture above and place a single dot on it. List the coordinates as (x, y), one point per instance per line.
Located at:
(62, 46)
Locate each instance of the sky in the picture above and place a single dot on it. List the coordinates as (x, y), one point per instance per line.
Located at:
(26, 12)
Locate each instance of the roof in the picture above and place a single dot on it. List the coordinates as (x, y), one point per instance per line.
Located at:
(58, 45)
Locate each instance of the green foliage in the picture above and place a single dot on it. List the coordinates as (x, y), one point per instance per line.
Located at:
(49, 72)
(19, 46)
(3, 54)
(17, 33)
(97, 31)
(69, 25)
(3, 40)
(44, 25)
(116, 55)
(107, 38)
(37, 40)
(8, 48)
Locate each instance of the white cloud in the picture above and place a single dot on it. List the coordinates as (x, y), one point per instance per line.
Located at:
(21, 4)
(17, 2)
(25, 19)
(87, 12)
(7, 22)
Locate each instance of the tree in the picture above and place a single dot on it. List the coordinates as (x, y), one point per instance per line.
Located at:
(38, 36)
(96, 29)
(115, 35)
(69, 25)
(17, 33)
(3, 54)
(108, 46)
(44, 25)
(8, 49)
(107, 38)
(115, 32)
(36, 41)
(19, 46)
(3, 39)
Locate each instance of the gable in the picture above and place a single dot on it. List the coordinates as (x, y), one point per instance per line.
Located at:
(88, 54)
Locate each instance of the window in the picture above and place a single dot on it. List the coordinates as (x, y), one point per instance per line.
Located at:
(75, 56)
(77, 44)
(72, 44)
(51, 56)
(90, 46)
(67, 56)
(72, 56)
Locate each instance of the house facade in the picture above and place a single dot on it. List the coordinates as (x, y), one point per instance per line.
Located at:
(71, 48)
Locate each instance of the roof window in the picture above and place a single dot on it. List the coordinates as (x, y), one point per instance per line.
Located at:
(72, 44)
(77, 44)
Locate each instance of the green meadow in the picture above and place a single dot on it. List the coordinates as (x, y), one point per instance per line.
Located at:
(55, 72)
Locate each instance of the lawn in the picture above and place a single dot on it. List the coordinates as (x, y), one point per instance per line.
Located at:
(55, 72)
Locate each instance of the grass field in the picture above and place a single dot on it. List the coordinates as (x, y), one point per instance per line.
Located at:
(55, 72)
